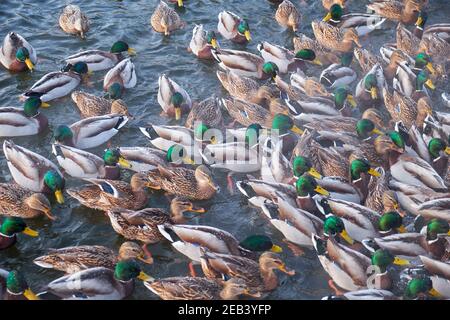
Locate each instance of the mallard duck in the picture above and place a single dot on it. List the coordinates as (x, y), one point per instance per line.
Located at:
(123, 73)
(172, 98)
(400, 108)
(104, 194)
(393, 60)
(232, 27)
(420, 288)
(10, 227)
(165, 19)
(325, 55)
(437, 48)
(366, 59)
(202, 41)
(442, 30)
(14, 286)
(247, 113)
(328, 3)
(301, 84)
(287, 15)
(17, 201)
(73, 21)
(440, 272)
(338, 75)
(58, 84)
(17, 54)
(142, 159)
(411, 85)
(369, 87)
(194, 184)
(90, 132)
(82, 164)
(99, 283)
(15, 122)
(406, 12)
(98, 60)
(74, 259)
(208, 111)
(407, 41)
(32, 171)
(334, 38)
(143, 225)
(379, 197)
(90, 105)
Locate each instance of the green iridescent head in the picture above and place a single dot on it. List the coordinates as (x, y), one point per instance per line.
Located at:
(389, 221)
(176, 154)
(177, 100)
(422, 80)
(419, 286)
(31, 106)
(340, 96)
(119, 46)
(63, 134)
(127, 270)
(12, 226)
(270, 69)
(437, 227)
(306, 54)
(306, 185)
(336, 13)
(360, 166)
(259, 243)
(252, 134)
(436, 146)
(111, 156)
(80, 68)
(333, 226)
(16, 283)
(53, 180)
(396, 138)
(301, 165)
(365, 128)
(22, 54)
(243, 27)
(370, 81)
(422, 60)
(115, 91)
(211, 38)
(200, 131)
(382, 259)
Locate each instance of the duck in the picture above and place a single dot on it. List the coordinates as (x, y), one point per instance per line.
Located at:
(405, 12)
(439, 275)
(14, 286)
(10, 227)
(17, 54)
(82, 164)
(339, 75)
(90, 132)
(98, 60)
(421, 287)
(33, 172)
(246, 113)
(143, 159)
(328, 3)
(103, 194)
(334, 38)
(172, 98)
(370, 86)
(403, 109)
(441, 29)
(26, 121)
(123, 73)
(73, 21)
(99, 283)
(58, 84)
(380, 198)
(202, 41)
(366, 59)
(194, 184)
(287, 15)
(164, 137)
(142, 225)
(325, 55)
(90, 105)
(165, 19)
(75, 259)
(407, 41)
(207, 111)
(411, 85)
(301, 84)
(232, 27)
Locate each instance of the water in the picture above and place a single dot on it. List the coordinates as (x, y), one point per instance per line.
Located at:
(111, 20)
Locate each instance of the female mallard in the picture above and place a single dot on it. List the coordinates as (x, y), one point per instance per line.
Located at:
(90, 132)
(287, 15)
(90, 105)
(334, 38)
(17, 54)
(123, 73)
(247, 113)
(328, 3)
(301, 84)
(202, 42)
(194, 184)
(58, 84)
(232, 27)
(74, 259)
(208, 111)
(165, 19)
(142, 159)
(172, 98)
(245, 64)
(370, 86)
(440, 275)
(82, 164)
(339, 75)
(15, 122)
(73, 21)
(32, 171)
(379, 197)
(401, 108)
(14, 286)
(10, 227)
(143, 225)
(17, 201)
(98, 60)
(105, 195)
(405, 12)
(325, 55)
(99, 283)
(442, 30)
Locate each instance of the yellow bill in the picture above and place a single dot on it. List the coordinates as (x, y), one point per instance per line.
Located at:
(144, 277)
(346, 237)
(430, 84)
(317, 62)
(447, 150)
(321, 191)
(131, 51)
(188, 160)
(247, 35)
(376, 131)
(59, 196)
(374, 172)
(180, 3)
(327, 17)
(401, 262)
(214, 43)
(374, 93)
(313, 172)
(30, 232)
(276, 249)
(124, 162)
(29, 64)
(431, 68)
(433, 292)
(30, 295)
(45, 105)
(297, 130)
(351, 100)
(402, 229)
(198, 210)
(283, 268)
(177, 113)
(419, 21)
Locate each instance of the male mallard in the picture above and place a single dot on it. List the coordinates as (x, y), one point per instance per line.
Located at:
(82, 164)
(32, 171)
(90, 105)
(73, 21)
(14, 286)
(10, 227)
(328, 3)
(172, 98)
(74, 259)
(98, 60)
(90, 132)
(442, 30)
(301, 84)
(104, 194)
(208, 111)
(17, 54)
(406, 12)
(99, 283)
(325, 55)
(407, 83)
(233, 27)
(123, 73)
(338, 75)
(440, 275)
(420, 287)
(58, 84)
(202, 42)
(165, 19)
(370, 86)
(194, 184)
(142, 159)
(287, 15)
(334, 38)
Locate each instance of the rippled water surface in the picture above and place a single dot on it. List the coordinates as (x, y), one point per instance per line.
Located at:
(112, 20)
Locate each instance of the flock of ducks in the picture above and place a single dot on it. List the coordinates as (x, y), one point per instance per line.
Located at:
(359, 172)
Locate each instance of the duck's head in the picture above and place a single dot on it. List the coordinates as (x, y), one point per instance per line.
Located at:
(127, 270)
(306, 185)
(436, 146)
(23, 55)
(244, 29)
(334, 226)
(272, 261)
(302, 165)
(177, 100)
(235, 287)
(63, 134)
(16, 284)
(423, 61)
(335, 13)
(80, 68)
(178, 154)
(390, 202)
(15, 225)
(115, 91)
(112, 157)
(419, 287)
(40, 203)
(308, 55)
(422, 80)
(383, 259)
(203, 176)
(270, 69)
(55, 183)
(371, 85)
(179, 206)
(211, 38)
(202, 132)
(389, 221)
(259, 243)
(365, 128)
(391, 141)
(131, 250)
(284, 124)
(122, 46)
(360, 166)
(342, 94)
(437, 227)
(32, 105)
(421, 20)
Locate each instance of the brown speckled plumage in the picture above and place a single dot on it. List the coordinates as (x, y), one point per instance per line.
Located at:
(165, 19)
(91, 105)
(287, 15)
